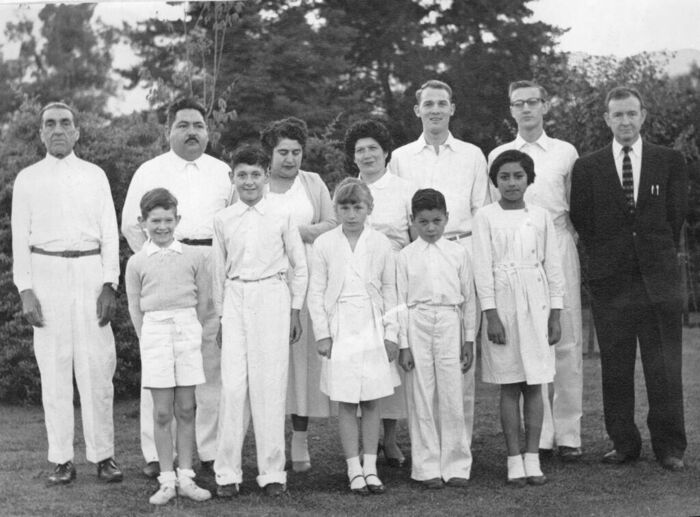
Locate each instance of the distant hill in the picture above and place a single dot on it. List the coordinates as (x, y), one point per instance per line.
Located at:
(676, 62)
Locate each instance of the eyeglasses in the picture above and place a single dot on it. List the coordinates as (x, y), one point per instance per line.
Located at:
(531, 103)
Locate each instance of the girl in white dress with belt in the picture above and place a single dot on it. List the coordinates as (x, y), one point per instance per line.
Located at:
(307, 198)
(352, 301)
(520, 284)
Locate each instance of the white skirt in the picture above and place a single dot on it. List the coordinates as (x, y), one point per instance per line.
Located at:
(358, 368)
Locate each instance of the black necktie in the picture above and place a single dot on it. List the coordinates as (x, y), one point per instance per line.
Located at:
(627, 179)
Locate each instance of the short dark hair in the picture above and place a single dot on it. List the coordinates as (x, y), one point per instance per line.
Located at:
(428, 199)
(250, 155)
(623, 92)
(368, 129)
(188, 103)
(291, 127)
(512, 156)
(157, 198)
(433, 83)
(352, 191)
(516, 85)
(59, 105)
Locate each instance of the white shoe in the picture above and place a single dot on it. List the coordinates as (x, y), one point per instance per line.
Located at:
(164, 494)
(192, 491)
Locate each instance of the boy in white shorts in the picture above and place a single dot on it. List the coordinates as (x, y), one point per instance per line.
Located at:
(167, 292)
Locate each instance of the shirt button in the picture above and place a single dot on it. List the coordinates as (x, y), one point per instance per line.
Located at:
(634, 234)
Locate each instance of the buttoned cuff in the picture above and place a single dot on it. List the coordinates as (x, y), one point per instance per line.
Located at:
(556, 302)
(487, 303)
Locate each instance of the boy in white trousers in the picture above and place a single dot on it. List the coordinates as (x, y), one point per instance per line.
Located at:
(436, 321)
(254, 244)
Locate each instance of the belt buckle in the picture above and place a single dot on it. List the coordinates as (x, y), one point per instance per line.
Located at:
(71, 254)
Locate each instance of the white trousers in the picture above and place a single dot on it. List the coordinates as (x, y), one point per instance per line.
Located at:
(562, 418)
(439, 444)
(72, 341)
(207, 394)
(254, 369)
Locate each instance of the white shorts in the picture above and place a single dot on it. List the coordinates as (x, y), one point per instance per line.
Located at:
(171, 349)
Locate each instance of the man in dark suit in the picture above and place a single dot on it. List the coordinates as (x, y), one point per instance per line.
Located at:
(628, 203)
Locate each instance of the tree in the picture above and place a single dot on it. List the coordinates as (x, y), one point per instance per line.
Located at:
(72, 62)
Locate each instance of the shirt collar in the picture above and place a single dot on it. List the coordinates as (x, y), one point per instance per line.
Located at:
(381, 183)
(440, 243)
(422, 143)
(181, 163)
(543, 142)
(152, 248)
(239, 207)
(69, 159)
(636, 147)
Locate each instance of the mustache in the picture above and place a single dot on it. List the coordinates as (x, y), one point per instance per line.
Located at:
(192, 138)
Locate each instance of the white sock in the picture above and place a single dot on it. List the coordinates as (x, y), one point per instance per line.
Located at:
(354, 467)
(531, 461)
(167, 478)
(300, 447)
(369, 464)
(516, 469)
(185, 476)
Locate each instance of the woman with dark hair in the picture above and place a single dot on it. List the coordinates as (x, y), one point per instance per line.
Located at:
(368, 145)
(312, 210)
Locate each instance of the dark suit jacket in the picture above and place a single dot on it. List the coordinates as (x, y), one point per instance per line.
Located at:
(614, 241)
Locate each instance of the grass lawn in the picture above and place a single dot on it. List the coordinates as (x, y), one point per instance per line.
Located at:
(587, 488)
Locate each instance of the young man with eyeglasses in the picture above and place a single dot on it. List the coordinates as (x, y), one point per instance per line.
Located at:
(554, 160)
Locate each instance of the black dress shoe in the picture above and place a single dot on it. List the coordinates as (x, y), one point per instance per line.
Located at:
(433, 483)
(274, 489)
(457, 483)
(151, 470)
(672, 463)
(614, 457)
(227, 491)
(63, 474)
(109, 472)
(569, 454)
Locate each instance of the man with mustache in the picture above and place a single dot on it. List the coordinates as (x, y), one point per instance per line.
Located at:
(65, 248)
(456, 168)
(202, 187)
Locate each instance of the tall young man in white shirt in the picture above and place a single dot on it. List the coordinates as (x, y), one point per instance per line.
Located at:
(440, 161)
(66, 267)
(202, 187)
(554, 160)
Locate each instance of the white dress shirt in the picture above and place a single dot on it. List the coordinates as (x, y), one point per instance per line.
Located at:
(458, 171)
(554, 160)
(439, 274)
(202, 188)
(257, 242)
(636, 159)
(63, 205)
(391, 214)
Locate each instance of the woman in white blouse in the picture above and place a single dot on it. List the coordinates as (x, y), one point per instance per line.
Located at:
(309, 201)
(368, 146)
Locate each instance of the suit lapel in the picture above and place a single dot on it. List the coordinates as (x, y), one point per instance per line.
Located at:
(611, 178)
(646, 175)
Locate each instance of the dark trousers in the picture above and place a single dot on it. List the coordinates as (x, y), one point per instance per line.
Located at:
(624, 313)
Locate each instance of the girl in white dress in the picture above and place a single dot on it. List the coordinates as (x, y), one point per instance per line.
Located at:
(368, 145)
(520, 284)
(352, 301)
(309, 202)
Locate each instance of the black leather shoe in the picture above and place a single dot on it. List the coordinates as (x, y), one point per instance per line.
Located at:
(433, 483)
(109, 472)
(63, 474)
(672, 463)
(614, 457)
(457, 483)
(274, 489)
(570, 454)
(151, 470)
(227, 491)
